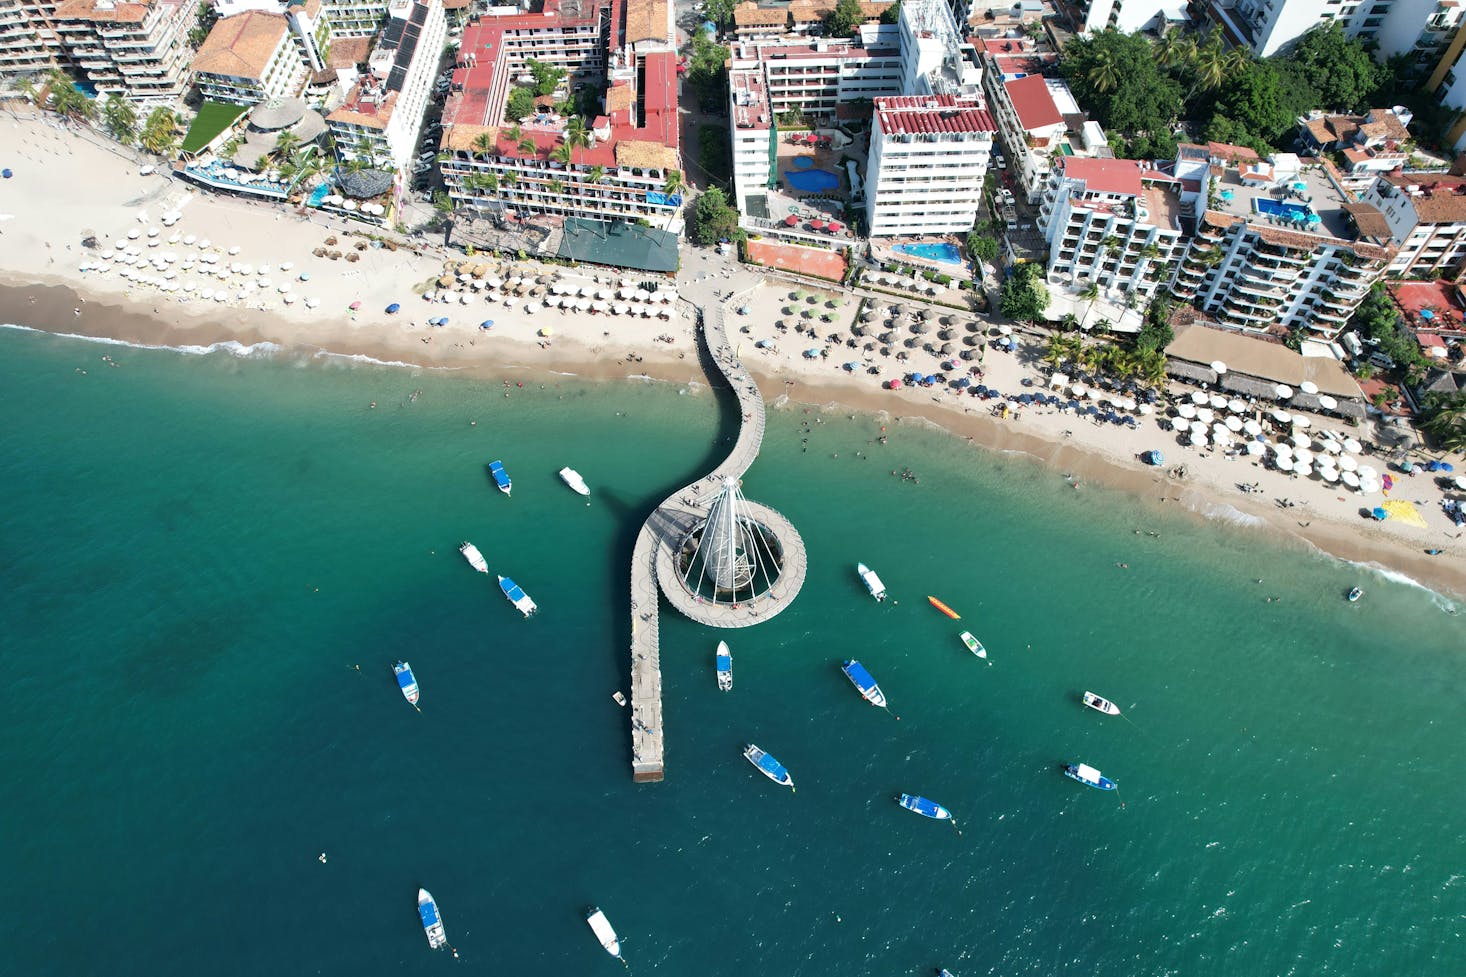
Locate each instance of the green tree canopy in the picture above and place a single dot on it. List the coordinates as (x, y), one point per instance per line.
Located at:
(719, 12)
(982, 247)
(707, 71)
(1257, 99)
(892, 14)
(844, 19)
(1340, 71)
(547, 77)
(1118, 77)
(1024, 296)
(520, 104)
(712, 219)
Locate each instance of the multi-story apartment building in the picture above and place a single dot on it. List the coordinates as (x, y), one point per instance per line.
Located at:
(1276, 249)
(1129, 16)
(29, 42)
(1113, 223)
(928, 156)
(1418, 29)
(630, 167)
(768, 79)
(1425, 214)
(750, 21)
(249, 58)
(133, 50)
(1040, 121)
(380, 119)
(1366, 145)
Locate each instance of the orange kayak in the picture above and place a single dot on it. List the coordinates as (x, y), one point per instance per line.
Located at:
(945, 609)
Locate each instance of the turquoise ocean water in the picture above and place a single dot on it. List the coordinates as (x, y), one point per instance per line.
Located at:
(197, 549)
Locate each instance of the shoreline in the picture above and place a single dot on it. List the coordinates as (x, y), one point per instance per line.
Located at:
(133, 323)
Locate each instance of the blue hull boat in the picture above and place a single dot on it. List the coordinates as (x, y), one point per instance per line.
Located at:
(864, 682)
(724, 661)
(500, 476)
(1088, 776)
(768, 766)
(517, 597)
(432, 923)
(406, 682)
(924, 807)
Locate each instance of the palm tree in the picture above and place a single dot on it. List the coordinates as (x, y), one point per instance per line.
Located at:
(1174, 50)
(555, 187)
(528, 147)
(673, 182)
(1104, 74)
(1089, 293)
(1237, 61)
(576, 134)
(160, 132)
(485, 145)
(489, 183)
(1054, 355)
(563, 153)
(596, 174)
(510, 180)
(285, 145)
(120, 118)
(1448, 426)
(1211, 64)
(514, 133)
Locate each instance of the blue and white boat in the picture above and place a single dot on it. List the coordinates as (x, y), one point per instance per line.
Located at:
(501, 477)
(871, 581)
(406, 682)
(862, 680)
(724, 659)
(768, 766)
(924, 807)
(432, 923)
(1088, 776)
(517, 596)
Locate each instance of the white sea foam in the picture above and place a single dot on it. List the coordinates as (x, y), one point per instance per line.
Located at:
(1222, 512)
(325, 354)
(1395, 576)
(231, 346)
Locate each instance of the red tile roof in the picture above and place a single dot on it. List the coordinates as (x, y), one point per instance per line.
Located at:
(1033, 103)
(1121, 176)
(899, 114)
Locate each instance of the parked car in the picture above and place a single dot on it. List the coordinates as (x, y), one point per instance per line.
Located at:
(1380, 360)
(428, 156)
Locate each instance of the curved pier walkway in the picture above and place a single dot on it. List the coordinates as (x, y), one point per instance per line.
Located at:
(652, 560)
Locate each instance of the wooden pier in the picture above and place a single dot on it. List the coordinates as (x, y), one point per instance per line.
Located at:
(653, 567)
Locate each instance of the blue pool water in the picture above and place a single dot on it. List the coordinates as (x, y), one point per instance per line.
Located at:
(942, 251)
(803, 162)
(812, 181)
(1280, 208)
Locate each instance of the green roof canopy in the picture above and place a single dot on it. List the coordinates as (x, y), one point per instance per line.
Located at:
(213, 119)
(621, 245)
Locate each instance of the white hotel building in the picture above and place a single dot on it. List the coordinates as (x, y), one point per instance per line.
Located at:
(928, 157)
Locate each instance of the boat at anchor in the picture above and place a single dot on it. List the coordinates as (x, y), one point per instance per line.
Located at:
(572, 478)
(432, 922)
(924, 807)
(1100, 704)
(605, 933)
(1088, 776)
(973, 645)
(870, 691)
(871, 581)
(474, 557)
(501, 477)
(406, 682)
(517, 597)
(768, 766)
(724, 660)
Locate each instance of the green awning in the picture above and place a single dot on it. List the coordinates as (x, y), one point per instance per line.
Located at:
(619, 244)
(213, 119)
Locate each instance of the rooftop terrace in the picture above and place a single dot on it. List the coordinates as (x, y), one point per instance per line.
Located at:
(1284, 194)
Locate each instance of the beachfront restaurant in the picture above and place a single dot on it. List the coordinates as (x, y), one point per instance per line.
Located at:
(231, 147)
(364, 195)
(1230, 361)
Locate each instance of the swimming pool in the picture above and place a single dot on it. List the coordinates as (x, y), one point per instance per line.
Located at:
(811, 181)
(803, 162)
(1282, 208)
(943, 251)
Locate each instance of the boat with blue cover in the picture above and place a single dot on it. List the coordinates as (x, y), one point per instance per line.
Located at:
(432, 922)
(517, 596)
(924, 807)
(865, 682)
(406, 682)
(871, 581)
(724, 661)
(1088, 776)
(768, 766)
(500, 476)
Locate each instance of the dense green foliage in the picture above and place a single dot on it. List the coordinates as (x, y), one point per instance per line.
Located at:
(520, 104)
(719, 12)
(547, 77)
(714, 152)
(982, 247)
(1377, 318)
(1024, 296)
(844, 19)
(892, 14)
(712, 219)
(707, 70)
(1116, 77)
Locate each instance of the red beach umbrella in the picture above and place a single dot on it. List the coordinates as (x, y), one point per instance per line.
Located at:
(791, 220)
(836, 227)
(893, 385)
(816, 225)
(355, 305)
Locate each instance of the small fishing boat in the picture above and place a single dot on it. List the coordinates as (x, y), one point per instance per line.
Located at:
(1100, 704)
(432, 923)
(1088, 776)
(865, 682)
(1434, 552)
(924, 807)
(500, 476)
(724, 661)
(768, 766)
(871, 581)
(474, 557)
(517, 596)
(620, 698)
(973, 645)
(601, 927)
(572, 478)
(406, 682)
(944, 608)
(943, 972)
(1355, 593)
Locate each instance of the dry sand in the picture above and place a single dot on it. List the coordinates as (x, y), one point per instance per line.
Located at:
(65, 185)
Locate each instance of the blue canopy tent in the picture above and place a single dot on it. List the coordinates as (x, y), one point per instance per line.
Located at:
(486, 324)
(1379, 514)
(1152, 457)
(394, 308)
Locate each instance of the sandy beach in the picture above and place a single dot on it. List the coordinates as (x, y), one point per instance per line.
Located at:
(67, 188)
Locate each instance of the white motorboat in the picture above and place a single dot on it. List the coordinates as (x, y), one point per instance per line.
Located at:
(871, 581)
(577, 484)
(1100, 704)
(474, 557)
(601, 927)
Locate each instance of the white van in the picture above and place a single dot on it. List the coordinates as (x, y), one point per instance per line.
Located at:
(1351, 342)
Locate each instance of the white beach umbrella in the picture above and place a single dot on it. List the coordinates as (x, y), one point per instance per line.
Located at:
(1367, 473)
(1255, 448)
(221, 296)
(1199, 397)
(207, 293)
(1058, 380)
(235, 249)
(1078, 391)
(664, 312)
(1237, 406)
(1329, 475)
(1197, 439)
(1181, 424)
(1330, 446)
(1352, 446)
(265, 282)
(283, 288)
(1283, 464)
(188, 239)
(134, 234)
(465, 298)
(620, 308)
(1186, 410)
(1308, 387)
(289, 299)
(1282, 417)
(489, 297)
(1218, 403)
(286, 266)
(1300, 422)
(1327, 402)
(190, 286)
(205, 244)
(175, 237)
(1282, 449)
(465, 278)
(1234, 424)
(153, 232)
(1219, 430)
(1349, 478)
(1348, 463)
(1299, 441)
(1369, 487)
(1303, 457)
(311, 302)
(1252, 427)
(1205, 415)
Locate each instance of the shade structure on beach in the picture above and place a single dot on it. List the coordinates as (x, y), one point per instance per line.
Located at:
(1197, 439)
(464, 298)
(1079, 390)
(1299, 441)
(1330, 446)
(1282, 449)
(1234, 424)
(1329, 475)
(1352, 446)
(1237, 406)
(1300, 422)
(1255, 448)
(1308, 387)
(1347, 463)
(393, 308)
(1282, 417)
(1205, 415)
(1283, 464)
(1302, 456)
(1349, 478)
(1199, 397)
(1327, 402)
(1186, 410)
(1252, 427)
(1218, 367)
(1217, 403)
(1368, 473)
(1181, 424)
(486, 324)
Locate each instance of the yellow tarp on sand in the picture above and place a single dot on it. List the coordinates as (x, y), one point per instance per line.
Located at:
(1405, 512)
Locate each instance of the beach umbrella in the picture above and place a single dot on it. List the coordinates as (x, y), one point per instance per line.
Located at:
(1352, 446)
(1237, 406)
(1254, 448)
(465, 298)
(1308, 387)
(1205, 414)
(1218, 403)
(1299, 441)
(1197, 439)
(1234, 424)
(1327, 402)
(1303, 456)
(1252, 427)
(1282, 417)
(1186, 410)
(1367, 473)
(1005, 330)
(1347, 463)
(1199, 397)
(1219, 431)
(1349, 478)
(1181, 424)
(1283, 464)
(1282, 449)
(1329, 475)
(393, 308)
(1300, 422)
(1330, 446)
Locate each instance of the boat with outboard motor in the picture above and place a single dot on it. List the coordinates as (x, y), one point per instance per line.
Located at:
(1355, 593)
(1088, 776)
(924, 807)
(517, 597)
(723, 658)
(474, 557)
(601, 927)
(1100, 704)
(406, 682)
(577, 484)
(870, 691)
(432, 921)
(973, 645)
(501, 477)
(768, 766)
(871, 581)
